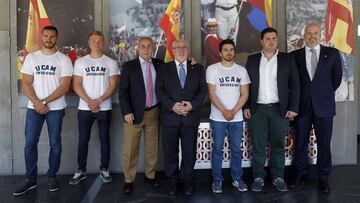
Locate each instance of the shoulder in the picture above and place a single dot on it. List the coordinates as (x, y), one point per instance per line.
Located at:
(131, 62)
(330, 50)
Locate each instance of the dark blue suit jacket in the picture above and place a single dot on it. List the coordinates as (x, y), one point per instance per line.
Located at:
(169, 91)
(287, 82)
(132, 94)
(320, 92)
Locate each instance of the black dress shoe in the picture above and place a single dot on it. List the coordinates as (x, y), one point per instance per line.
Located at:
(152, 182)
(324, 187)
(297, 182)
(188, 189)
(128, 187)
(173, 187)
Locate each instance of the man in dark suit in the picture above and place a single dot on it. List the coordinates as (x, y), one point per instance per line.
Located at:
(274, 99)
(181, 89)
(320, 73)
(139, 106)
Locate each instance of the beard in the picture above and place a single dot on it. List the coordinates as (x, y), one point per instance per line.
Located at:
(49, 45)
(229, 58)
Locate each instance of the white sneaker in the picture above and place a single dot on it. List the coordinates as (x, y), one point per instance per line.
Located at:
(78, 176)
(105, 175)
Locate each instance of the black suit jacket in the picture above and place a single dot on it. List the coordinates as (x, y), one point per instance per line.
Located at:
(132, 94)
(320, 92)
(287, 82)
(169, 91)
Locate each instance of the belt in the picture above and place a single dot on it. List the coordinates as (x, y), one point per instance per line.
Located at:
(225, 8)
(151, 107)
(269, 104)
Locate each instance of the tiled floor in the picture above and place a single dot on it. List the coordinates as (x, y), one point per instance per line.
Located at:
(345, 181)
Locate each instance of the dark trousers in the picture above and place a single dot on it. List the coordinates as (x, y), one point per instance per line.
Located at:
(188, 137)
(86, 120)
(267, 124)
(323, 133)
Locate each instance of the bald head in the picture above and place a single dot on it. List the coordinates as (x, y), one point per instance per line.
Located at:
(312, 34)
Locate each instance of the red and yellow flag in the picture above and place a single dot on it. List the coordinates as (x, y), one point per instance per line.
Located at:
(339, 25)
(170, 23)
(37, 20)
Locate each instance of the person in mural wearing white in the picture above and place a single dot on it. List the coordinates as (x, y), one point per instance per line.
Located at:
(95, 79)
(228, 85)
(226, 13)
(46, 77)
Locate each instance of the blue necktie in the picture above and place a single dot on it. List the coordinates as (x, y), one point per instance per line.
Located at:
(182, 75)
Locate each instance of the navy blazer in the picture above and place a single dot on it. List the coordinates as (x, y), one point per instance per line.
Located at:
(132, 94)
(169, 91)
(287, 82)
(320, 92)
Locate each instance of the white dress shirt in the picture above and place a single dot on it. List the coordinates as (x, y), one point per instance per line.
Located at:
(226, 3)
(308, 55)
(178, 67)
(268, 90)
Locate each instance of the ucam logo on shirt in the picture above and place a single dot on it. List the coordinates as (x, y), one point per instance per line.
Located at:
(95, 71)
(229, 81)
(45, 70)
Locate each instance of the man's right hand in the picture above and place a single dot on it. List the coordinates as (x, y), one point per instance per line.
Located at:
(40, 107)
(247, 113)
(228, 115)
(179, 109)
(129, 118)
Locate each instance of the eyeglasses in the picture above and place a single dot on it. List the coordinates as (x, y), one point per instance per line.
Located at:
(180, 48)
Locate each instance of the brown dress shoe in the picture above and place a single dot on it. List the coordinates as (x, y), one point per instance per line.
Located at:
(128, 187)
(152, 182)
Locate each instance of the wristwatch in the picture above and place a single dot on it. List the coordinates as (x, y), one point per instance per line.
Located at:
(43, 102)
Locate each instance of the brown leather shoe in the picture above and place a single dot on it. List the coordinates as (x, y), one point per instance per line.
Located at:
(128, 187)
(152, 182)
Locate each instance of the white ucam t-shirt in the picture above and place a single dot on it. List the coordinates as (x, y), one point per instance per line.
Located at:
(228, 81)
(47, 71)
(95, 73)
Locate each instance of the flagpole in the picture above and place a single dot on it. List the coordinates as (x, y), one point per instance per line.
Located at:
(158, 44)
(237, 18)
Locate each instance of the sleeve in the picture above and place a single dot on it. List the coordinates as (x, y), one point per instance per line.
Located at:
(114, 68)
(124, 90)
(245, 79)
(200, 97)
(77, 68)
(27, 66)
(337, 71)
(210, 75)
(66, 67)
(294, 86)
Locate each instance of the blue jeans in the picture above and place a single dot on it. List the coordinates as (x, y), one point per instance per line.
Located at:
(33, 126)
(86, 120)
(235, 132)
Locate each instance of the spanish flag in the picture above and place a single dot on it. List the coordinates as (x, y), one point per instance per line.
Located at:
(170, 23)
(260, 15)
(37, 20)
(339, 28)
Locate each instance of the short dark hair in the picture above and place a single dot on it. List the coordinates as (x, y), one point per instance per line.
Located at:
(267, 30)
(226, 41)
(50, 27)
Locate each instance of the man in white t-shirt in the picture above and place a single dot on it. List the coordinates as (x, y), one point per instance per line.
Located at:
(95, 80)
(46, 78)
(228, 85)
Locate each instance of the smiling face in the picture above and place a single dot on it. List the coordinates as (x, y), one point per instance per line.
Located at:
(180, 50)
(312, 35)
